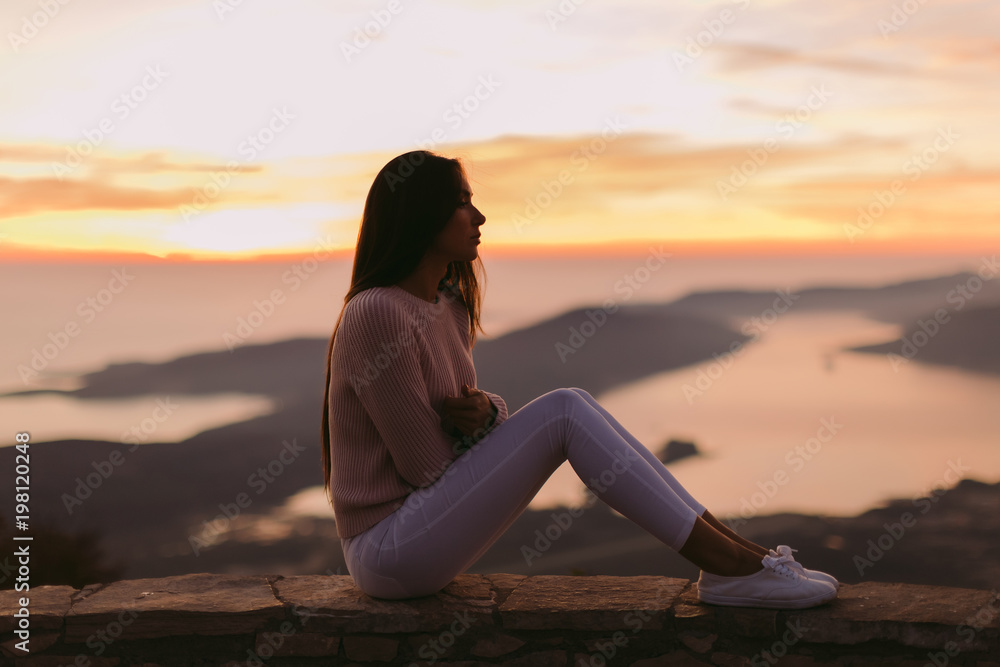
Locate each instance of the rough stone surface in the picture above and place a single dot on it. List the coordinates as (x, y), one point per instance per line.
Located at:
(370, 648)
(504, 585)
(494, 620)
(539, 659)
(334, 603)
(591, 603)
(47, 605)
(699, 644)
(729, 660)
(304, 644)
(911, 614)
(496, 645)
(678, 658)
(191, 604)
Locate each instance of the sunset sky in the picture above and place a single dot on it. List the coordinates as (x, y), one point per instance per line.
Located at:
(237, 128)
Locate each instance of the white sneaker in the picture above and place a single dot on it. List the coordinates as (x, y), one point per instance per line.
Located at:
(785, 552)
(777, 586)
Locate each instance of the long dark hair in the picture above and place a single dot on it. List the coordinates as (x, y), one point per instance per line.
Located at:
(410, 202)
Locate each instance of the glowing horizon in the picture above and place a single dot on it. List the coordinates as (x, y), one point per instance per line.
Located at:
(163, 132)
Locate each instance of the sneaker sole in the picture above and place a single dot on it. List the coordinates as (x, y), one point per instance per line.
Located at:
(729, 601)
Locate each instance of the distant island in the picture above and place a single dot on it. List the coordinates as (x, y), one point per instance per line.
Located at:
(148, 508)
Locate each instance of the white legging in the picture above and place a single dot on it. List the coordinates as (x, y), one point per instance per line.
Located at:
(442, 529)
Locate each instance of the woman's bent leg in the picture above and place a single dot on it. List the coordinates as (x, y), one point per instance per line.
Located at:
(644, 451)
(670, 479)
(443, 529)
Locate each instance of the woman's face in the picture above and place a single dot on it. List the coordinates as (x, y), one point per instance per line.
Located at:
(459, 240)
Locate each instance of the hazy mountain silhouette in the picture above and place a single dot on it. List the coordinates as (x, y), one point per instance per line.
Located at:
(147, 501)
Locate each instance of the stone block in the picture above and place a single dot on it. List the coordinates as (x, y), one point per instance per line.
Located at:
(699, 644)
(591, 603)
(335, 604)
(288, 642)
(495, 646)
(370, 648)
(539, 659)
(47, 605)
(675, 659)
(191, 604)
(910, 614)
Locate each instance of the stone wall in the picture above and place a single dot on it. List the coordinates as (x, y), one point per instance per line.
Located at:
(502, 619)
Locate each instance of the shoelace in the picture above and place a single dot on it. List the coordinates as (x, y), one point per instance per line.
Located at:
(780, 565)
(785, 552)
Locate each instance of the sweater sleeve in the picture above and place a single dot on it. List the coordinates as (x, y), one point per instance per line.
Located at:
(384, 370)
(500, 405)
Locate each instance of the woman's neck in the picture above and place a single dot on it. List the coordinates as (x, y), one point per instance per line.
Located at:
(423, 282)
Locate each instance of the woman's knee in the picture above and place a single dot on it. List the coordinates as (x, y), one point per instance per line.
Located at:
(583, 393)
(569, 395)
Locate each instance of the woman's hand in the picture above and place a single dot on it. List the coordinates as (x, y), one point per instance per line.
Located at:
(470, 412)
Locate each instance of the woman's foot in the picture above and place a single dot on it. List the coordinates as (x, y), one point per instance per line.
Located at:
(785, 552)
(777, 586)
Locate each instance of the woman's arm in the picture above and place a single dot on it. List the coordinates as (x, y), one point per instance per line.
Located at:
(380, 361)
(500, 405)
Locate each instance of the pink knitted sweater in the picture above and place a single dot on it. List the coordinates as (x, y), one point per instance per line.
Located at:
(395, 358)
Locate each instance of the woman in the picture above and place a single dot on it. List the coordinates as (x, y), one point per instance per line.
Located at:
(425, 471)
